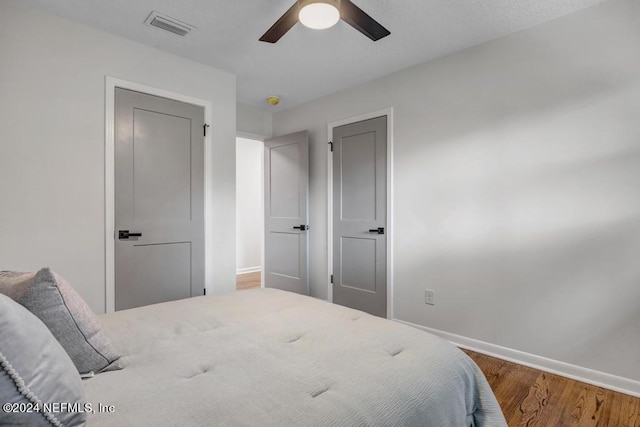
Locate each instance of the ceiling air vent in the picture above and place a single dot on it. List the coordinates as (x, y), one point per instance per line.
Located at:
(167, 23)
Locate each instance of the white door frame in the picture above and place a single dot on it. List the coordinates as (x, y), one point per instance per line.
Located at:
(388, 112)
(111, 83)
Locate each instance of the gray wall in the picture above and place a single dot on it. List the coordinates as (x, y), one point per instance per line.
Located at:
(516, 188)
(52, 135)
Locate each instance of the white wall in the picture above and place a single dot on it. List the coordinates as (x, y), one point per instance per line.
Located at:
(253, 123)
(249, 207)
(52, 136)
(517, 177)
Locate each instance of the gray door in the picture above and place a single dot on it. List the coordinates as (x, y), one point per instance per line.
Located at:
(159, 191)
(286, 200)
(359, 216)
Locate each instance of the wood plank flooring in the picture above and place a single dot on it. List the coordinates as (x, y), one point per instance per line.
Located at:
(529, 397)
(248, 281)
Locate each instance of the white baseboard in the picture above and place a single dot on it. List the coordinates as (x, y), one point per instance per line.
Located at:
(578, 373)
(248, 270)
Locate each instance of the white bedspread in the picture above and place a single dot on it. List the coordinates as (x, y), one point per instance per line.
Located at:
(271, 358)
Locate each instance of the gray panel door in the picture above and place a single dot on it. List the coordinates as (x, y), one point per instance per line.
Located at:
(159, 191)
(286, 199)
(359, 216)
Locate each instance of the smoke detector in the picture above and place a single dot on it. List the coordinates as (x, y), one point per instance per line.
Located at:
(167, 23)
(273, 100)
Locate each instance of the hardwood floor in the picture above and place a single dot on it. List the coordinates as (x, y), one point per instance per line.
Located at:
(529, 397)
(248, 281)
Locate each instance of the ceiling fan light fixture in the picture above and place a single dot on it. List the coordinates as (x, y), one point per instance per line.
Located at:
(319, 14)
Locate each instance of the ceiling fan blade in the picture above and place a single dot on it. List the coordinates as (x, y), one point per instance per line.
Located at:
(282, 25)
(358, 19)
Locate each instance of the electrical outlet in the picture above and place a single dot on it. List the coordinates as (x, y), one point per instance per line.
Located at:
(429, 297)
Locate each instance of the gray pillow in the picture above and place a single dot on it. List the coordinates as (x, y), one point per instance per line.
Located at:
(35, 372)
(66, 314)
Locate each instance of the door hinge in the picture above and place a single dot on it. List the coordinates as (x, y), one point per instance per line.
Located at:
(332, 278)
(205, 126)
(331, 146)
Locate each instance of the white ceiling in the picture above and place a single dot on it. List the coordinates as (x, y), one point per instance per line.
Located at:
(306, 64)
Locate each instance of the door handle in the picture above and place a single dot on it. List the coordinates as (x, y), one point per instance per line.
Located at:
(301, 227)
(379, 230)
(125, 234)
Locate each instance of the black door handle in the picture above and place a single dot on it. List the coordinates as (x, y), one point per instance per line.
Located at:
(379, 230)
(302, 227)
(125, 234)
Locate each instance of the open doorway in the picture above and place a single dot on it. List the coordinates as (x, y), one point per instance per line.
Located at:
(249, 213)
(272, 206)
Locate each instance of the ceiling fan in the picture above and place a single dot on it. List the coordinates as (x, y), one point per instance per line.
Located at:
(320, 14)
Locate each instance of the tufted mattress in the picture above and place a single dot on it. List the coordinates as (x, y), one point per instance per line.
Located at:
(271, 358)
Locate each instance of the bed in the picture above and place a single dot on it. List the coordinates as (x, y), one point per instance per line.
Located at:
(260, 357)
(266, 357)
